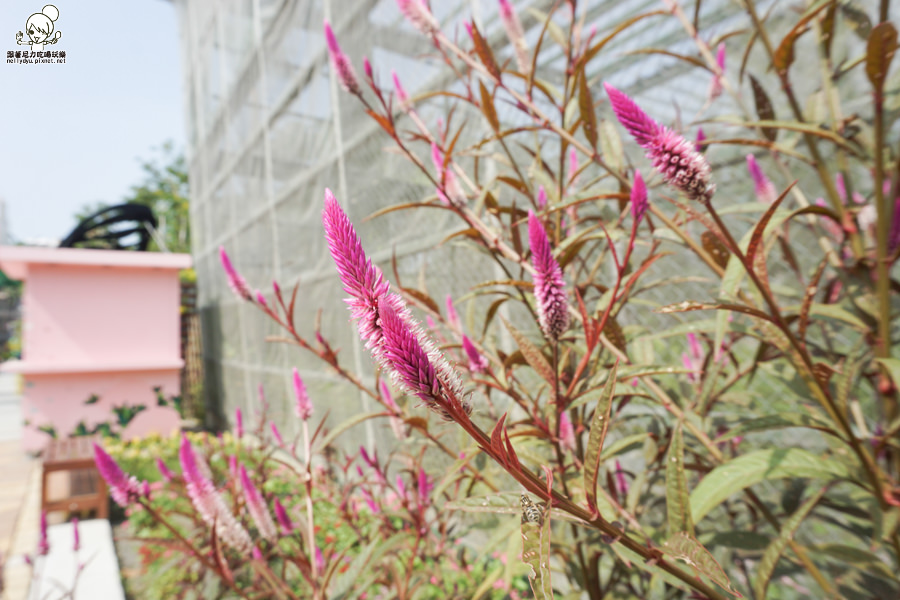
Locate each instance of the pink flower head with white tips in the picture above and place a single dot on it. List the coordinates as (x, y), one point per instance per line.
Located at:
(237, 283)
(765, 190)
(418, 14)
(516, 35)
(676, 159)
(303, 404)
(256, 506)
(638, 197)
(549, 286)
(341, 64)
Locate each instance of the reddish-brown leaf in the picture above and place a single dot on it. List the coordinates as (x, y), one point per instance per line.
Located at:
(483, 50)
(880, 50)
(487, 107)
(756, 238)
(586, 107)
(715, 248)
(764, 109)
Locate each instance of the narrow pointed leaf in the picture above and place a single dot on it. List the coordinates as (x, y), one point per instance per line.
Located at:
(764, 109)
(599, 427)
(485, 54)
(586, 108)
(536, 554)
(532, 354)
(749, 469)
(757, 237)
(778, 421)
(678, 508)
(487, 107)
(685, 548)
(788, 528)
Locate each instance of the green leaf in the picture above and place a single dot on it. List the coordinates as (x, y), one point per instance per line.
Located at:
(677, 504)
(778, 421)
(503, 503)
(599, 427)
(611, 146)
(532, 354)
(536, 554)
(749, 469)
(788, 528)
(893, 368)
(684, 547)
(342, 427)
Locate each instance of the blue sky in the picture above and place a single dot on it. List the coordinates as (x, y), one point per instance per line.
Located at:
(73, 134)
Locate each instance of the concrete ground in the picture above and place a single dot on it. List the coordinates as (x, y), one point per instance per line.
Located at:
(19, 495)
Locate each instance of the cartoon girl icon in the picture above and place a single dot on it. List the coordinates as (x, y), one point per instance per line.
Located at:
(39, 27)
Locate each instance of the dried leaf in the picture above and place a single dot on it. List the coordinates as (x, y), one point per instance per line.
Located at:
(764, 109)
(586, 109)
(880, 50)
(613, 331)
(485, 54)
(487, 107)
(715, 248)
(422, 298)
(532, 354)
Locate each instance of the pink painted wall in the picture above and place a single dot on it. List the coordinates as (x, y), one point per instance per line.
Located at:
(96, 322)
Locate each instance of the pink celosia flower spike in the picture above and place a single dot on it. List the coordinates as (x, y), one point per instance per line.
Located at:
(516, 35)
(477, 363)
(566, 432)
(303, 406)
(765, 190)
(256, 506)
(549, 287)
(124, 489)
(639, 202)
(367, 69)
(209, 504)
(43, 547)
(699, 146)
(76, 536)
(284, 521)
(541, 198)
(343, 69)
(413, 368)
(715, 86)
(452, 317)
(673, 156)
(164, 470)
(418, 14)
(454, 195)
(362, 280)
(237, 283)
(402, 96)
(238, 423)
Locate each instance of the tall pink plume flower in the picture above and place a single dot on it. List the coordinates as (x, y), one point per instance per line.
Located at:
(303, 406)
(124, 489)
(164, 470)
(341, 64)
(76, 536)
(477, 363)
(549, 286)
(541, 198)
(238, 423)
(43, 547)
(566, 432)
(516, 35)
(284, 521)
(237, 283)
(418, 14)
(450, 193)
(715, 86)
(374, 307)
(209, 504)
(414, 370)
(452, 317)
(673, 156)
(765, 190)
(400, 92)
(639, 201)
(276, 434)
(699, 146)
(256, 506)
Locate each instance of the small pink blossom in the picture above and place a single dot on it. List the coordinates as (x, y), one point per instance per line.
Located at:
(256, 506)
(477, 363)
(237, 283)
(43, 547)
(284, 521)
(541, 198)
(303, 404)
(549, 286)
(450, 192)
(566, 432)
(699, 146)
(76, 536)
(276, 434)
(674, 157)
(639, 202)
(418, 14)
(400, 92)
(765, 190)
(516, 35)
(715, 86)
(164, 470)
(238, 423)
(341, 64)
(124, 489)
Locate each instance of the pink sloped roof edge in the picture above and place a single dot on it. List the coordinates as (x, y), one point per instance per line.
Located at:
(14, 260)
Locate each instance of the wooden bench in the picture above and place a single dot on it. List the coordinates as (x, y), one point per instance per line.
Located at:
(70, 481)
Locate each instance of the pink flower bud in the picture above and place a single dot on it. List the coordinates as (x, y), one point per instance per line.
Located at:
(164, 470)
(477, 363)
(402, 96)
(237, 283)
(452, 317)
(276, 434)
(541, 198)
(418, 14)
(343, 69)
(549, 286)
(566, 432)
(303, 406)
(639, 202)
(765, 191)
(238, 423)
